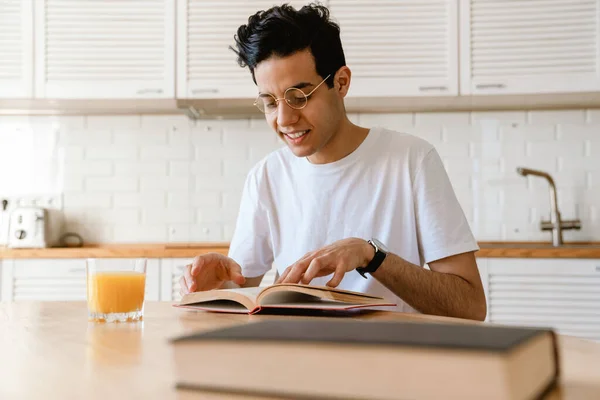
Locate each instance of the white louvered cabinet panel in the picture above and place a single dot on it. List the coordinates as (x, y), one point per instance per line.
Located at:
(560, 293)
(207, 67)
(172, 270)
(399, 47)
(529, 46)
(97, 49)
(57, 280)
(482, 266)
(16, 49)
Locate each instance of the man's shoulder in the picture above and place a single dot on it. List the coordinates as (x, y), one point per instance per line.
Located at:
(404, 140)
(274, 162)
(400, 144)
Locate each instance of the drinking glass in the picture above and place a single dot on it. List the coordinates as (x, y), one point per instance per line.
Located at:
(115, 289)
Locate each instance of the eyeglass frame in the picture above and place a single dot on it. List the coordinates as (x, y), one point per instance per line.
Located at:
(307, 96)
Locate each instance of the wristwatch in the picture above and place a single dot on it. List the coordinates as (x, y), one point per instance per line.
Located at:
(380, 253)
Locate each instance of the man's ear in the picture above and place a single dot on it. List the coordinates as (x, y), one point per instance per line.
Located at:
(341, 81)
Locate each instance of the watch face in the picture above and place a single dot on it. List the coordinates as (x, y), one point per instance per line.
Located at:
(380, 245)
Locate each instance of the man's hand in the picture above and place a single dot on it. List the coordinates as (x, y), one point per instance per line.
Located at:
(210, 271)
(337, 258)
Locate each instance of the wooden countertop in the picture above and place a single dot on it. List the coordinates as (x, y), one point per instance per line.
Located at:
(189, 250)
(147, 250)
(50, 351)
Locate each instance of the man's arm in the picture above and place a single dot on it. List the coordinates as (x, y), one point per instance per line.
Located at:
(452, 288)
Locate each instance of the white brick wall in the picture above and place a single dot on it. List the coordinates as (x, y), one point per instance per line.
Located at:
(148, 178)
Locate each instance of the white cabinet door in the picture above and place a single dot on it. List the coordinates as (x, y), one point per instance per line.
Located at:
(206, 67)
(97, 49)
(57, 279)
(525, 46)
(16, 49)
(560, 293)
(171, 270)
(399, 47)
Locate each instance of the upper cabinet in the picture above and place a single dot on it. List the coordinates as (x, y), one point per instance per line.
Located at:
(526, 46)
(97, 49)
(16, 49)
(399, 47)
(206, 66)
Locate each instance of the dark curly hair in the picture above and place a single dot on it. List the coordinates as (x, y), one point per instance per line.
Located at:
(282, 30)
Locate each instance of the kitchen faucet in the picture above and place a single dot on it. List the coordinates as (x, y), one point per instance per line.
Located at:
(556, 225)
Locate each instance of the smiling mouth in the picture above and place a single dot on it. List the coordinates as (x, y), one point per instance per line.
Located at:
(297, 135)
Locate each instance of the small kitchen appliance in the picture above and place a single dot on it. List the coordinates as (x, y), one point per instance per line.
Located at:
(27, 227)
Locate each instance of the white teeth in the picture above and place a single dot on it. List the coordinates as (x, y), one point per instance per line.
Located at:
(297, 134)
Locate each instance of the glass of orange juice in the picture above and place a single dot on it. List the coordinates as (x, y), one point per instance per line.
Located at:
(115, 289)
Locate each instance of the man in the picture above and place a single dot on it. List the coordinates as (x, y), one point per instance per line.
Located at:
(322, 208)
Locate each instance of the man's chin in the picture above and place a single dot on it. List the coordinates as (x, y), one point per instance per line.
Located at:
(301, 151)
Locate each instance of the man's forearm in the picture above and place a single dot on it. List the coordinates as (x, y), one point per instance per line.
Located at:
(431, 292)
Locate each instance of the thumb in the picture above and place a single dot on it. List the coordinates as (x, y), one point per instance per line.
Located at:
(235, 274)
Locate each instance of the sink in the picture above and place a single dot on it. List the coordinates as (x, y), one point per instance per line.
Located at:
(538, 245)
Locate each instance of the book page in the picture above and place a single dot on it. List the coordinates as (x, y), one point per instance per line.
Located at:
(250, 292)
(244, 296)
(318, 292)
(292, 298)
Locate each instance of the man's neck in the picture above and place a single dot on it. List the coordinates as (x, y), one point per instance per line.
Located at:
(347, 139)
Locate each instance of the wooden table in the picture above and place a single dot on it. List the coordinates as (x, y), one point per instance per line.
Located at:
(50, 351)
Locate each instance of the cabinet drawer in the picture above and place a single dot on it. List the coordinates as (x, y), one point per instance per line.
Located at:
(58, 280)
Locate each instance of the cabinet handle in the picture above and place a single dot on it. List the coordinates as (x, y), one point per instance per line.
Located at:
(597, 268)
(145, 91)
(208, 90)
(490, 86)
(429, 88)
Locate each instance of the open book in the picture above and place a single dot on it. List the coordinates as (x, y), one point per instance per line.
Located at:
(286, 295)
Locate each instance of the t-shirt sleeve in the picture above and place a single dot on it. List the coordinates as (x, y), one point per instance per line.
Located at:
(442, 228)
(251, 245)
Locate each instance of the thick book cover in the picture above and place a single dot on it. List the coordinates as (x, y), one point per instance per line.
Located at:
(396, 359)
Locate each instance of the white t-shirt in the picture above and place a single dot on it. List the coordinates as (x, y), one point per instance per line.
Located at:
(393, 187)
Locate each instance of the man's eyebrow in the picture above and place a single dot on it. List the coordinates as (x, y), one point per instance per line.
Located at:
(300, 85)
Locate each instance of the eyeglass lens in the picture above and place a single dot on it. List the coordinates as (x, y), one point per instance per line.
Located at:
(295, 98)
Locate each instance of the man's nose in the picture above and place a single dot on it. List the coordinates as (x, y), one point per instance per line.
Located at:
(286, 115)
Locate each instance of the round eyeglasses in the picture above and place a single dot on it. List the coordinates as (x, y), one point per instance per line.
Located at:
(294, 98)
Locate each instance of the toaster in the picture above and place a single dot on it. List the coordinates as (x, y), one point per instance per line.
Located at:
(27, 228)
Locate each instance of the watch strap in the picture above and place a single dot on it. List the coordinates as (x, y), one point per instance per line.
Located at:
(374, 264)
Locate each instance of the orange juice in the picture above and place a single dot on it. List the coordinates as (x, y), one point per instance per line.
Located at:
(116, 292)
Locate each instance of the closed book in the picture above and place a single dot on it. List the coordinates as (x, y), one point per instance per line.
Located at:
(340, 359)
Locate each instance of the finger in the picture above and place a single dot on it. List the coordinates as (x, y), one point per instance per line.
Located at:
(284, 275)
(182, 286)
(235, 274)
(314, 268)
(338, 275)
(189, 279)
(198, 263)
(296, 271)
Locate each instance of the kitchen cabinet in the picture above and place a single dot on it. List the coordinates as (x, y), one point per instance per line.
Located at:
(98, 49)
(560, 293)
(16, 49)
(58, 279)
(524, 46)
(206, 67)
(172, 270)
(400, 47)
